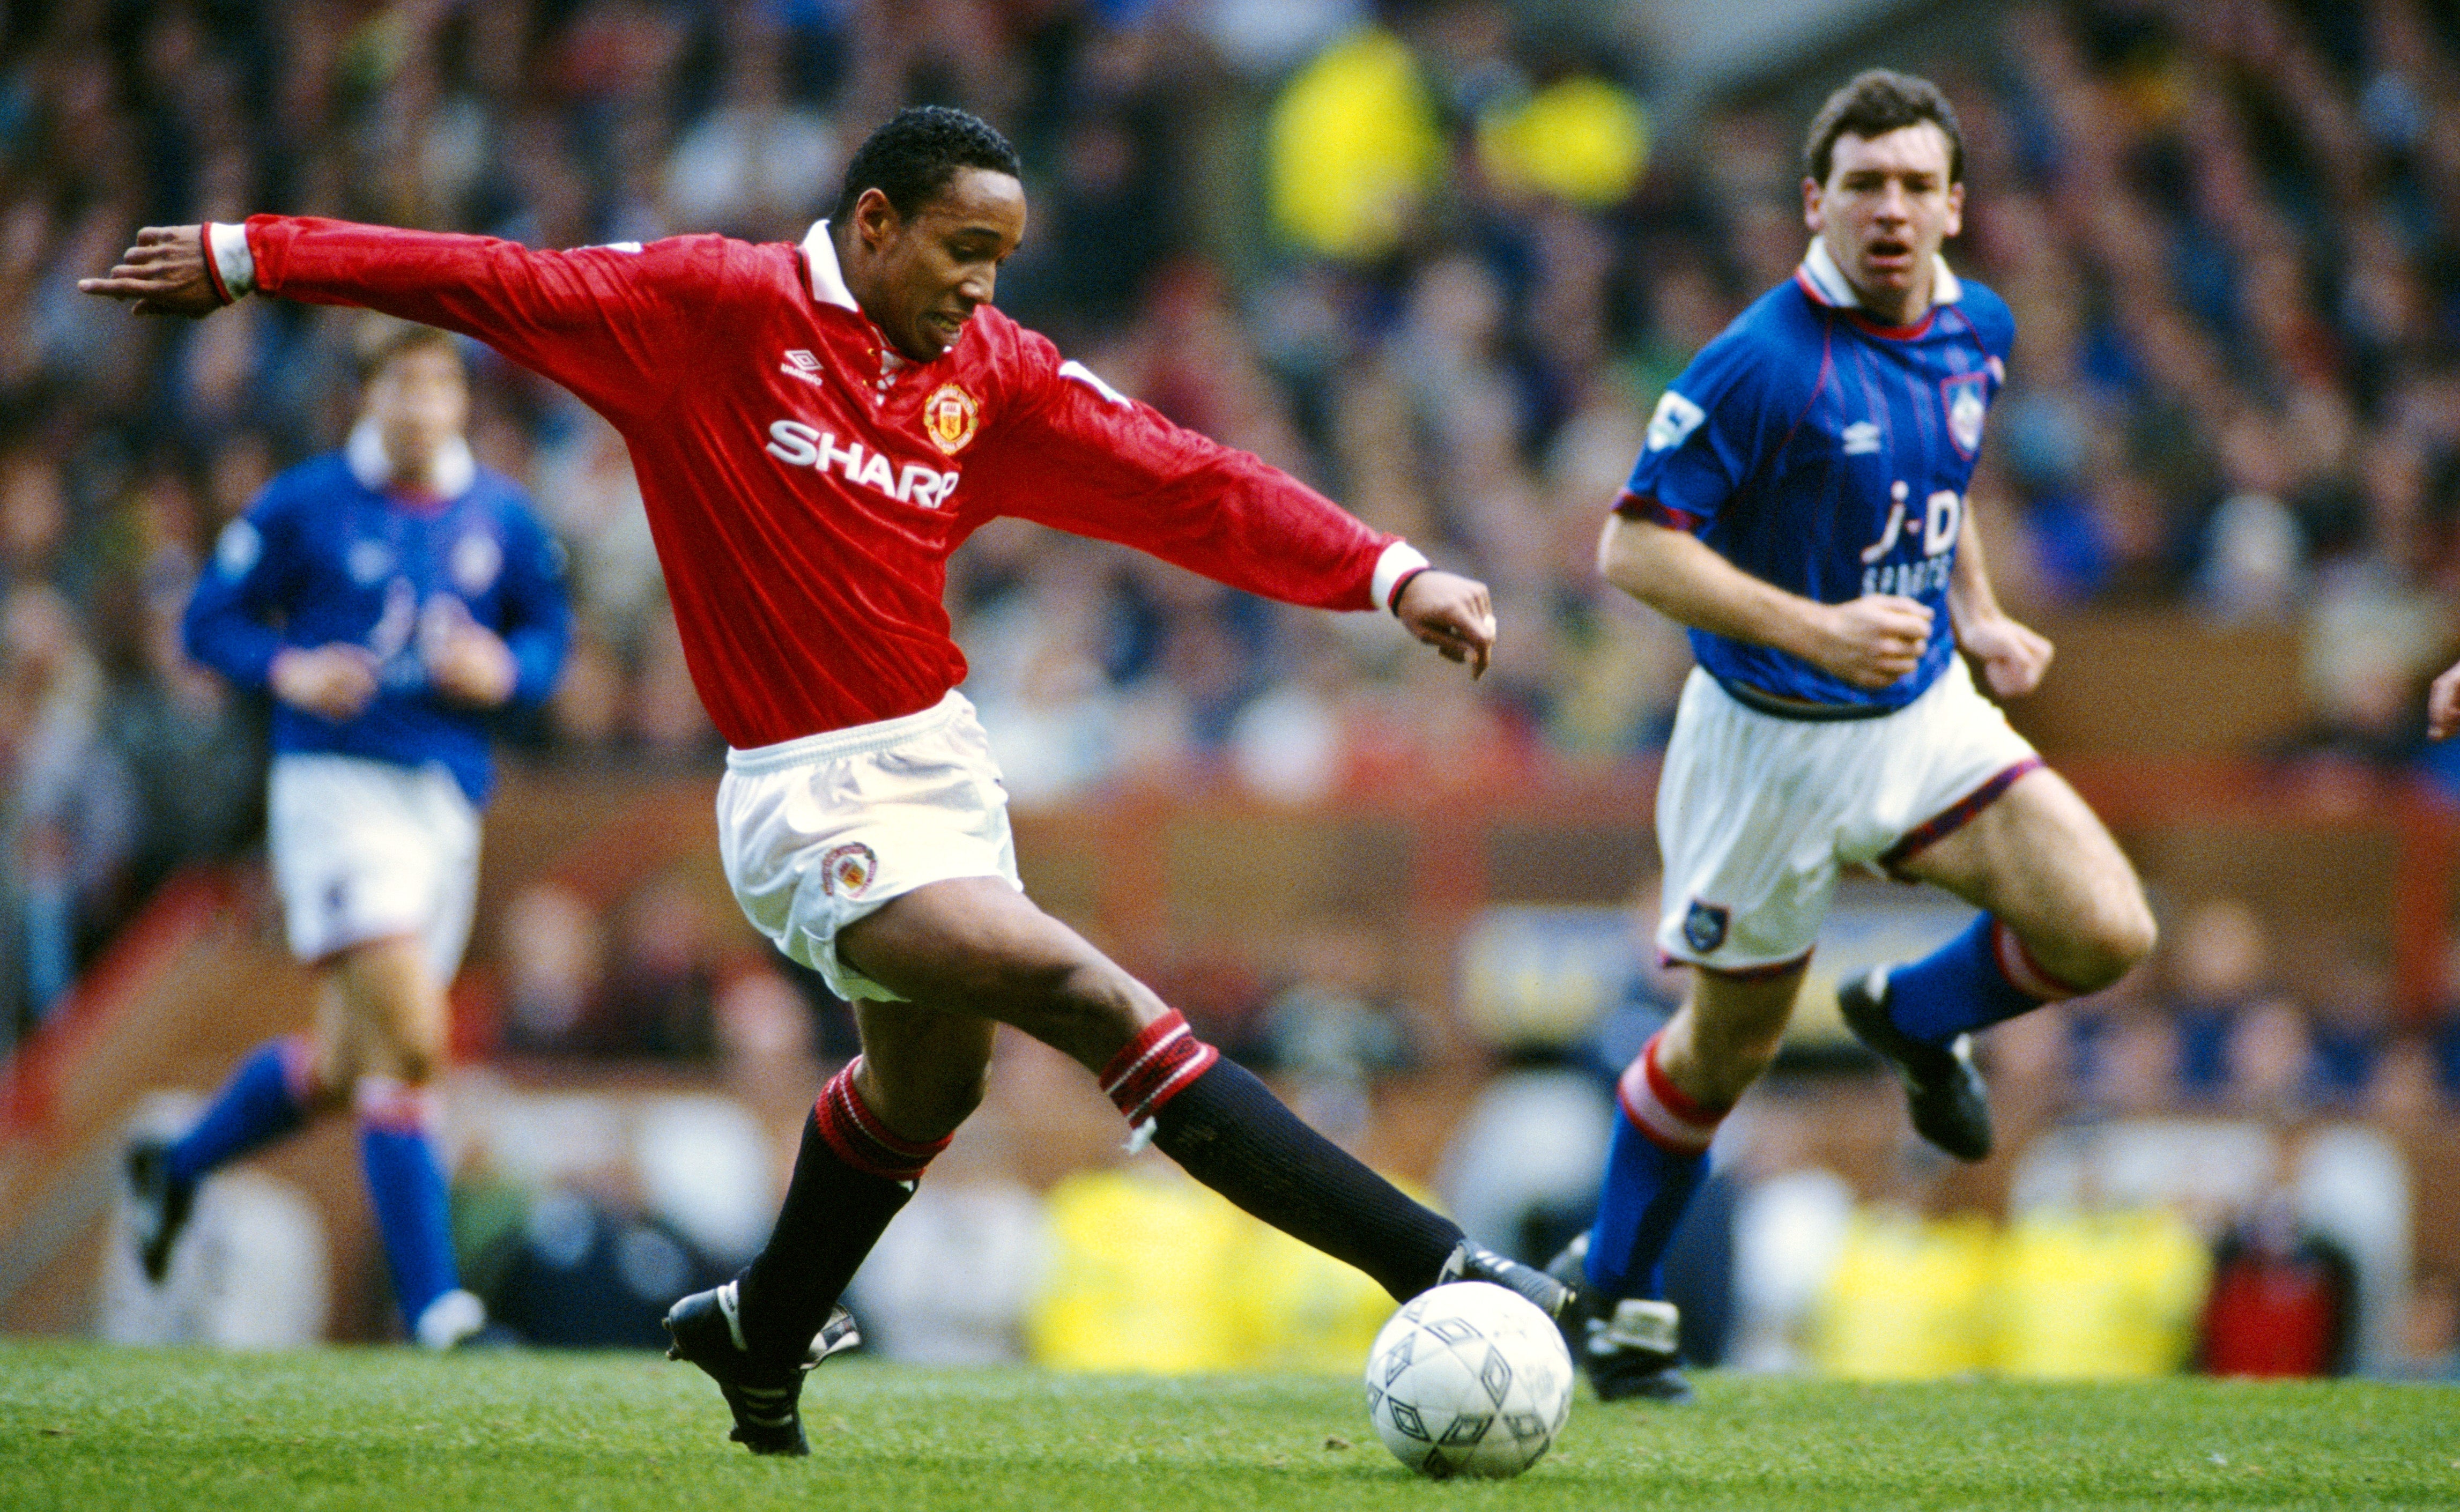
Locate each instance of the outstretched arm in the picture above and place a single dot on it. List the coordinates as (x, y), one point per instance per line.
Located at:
(620, 325)
(2013, 655)
(1869, 642)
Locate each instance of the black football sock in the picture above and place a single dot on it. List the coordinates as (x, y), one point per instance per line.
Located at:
(851, 1175)
(1227, 1129)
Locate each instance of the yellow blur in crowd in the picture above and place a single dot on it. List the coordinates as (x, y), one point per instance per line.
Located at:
(2105, 1296)
(1355, 149)
(1150, 1272)
(1153, 1273)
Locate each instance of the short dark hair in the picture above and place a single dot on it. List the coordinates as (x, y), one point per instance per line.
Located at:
(913, 157)
(1874, 103)
(381, 338)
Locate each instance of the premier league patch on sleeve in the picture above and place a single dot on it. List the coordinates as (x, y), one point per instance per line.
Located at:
(1703, 927)
(1674, 421)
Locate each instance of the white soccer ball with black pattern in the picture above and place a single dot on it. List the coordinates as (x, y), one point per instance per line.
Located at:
(1469, 1379)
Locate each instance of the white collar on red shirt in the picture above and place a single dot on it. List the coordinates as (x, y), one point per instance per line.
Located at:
(455, 469)
(1828, 283)
(828, 280)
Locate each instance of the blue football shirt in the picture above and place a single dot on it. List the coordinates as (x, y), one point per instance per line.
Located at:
(326, 555)
(1824, 453)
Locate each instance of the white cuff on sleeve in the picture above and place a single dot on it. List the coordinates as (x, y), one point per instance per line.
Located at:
(1399, 560)
(227, 246)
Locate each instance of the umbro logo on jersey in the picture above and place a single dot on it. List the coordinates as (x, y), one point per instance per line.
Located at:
(1862, 438)
(801, 364)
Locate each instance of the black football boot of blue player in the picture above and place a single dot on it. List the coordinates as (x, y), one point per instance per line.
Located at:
(1949, 1103)
(1630, 1347)
(705, 1330)
(162, 1205)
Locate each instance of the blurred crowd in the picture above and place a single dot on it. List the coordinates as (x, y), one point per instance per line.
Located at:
(1434, 255)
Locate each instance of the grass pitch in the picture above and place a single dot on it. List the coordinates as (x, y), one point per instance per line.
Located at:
(88, 1427)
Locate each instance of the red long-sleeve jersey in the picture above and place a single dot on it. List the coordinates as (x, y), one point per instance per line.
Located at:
(805, 484)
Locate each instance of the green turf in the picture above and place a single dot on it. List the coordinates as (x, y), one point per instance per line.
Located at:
(125, 1430)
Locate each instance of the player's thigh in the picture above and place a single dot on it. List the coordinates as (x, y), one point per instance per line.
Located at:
(395, 1008)
(975, 944)
(924, 1068)
(2040, 859)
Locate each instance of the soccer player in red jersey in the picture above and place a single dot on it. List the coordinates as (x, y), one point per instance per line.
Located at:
(815, 428)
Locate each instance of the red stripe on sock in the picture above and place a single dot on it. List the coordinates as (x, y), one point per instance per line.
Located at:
(2023, 970)
(1668, 1116)
(1162, 1061)
(856, 1136)
(298, 1054)
(383, 1103)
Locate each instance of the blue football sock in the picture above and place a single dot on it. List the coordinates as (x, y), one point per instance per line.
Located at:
(406, 1188)
(1956, 988)
(1658, 1155)
(1647, 1190)
(256, 1106)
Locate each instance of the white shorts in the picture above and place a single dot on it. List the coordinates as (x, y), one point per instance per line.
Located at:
(1756, 813)
(366, 850)
(818, 832)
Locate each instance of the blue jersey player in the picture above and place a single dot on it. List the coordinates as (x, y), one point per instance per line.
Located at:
(1800, 505)
(390, 597)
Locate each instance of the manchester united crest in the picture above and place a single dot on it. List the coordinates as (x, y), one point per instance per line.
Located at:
(950, 417)
(847, 869)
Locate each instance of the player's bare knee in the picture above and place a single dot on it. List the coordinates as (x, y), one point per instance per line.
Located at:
(1094, 998)
(2127, 936)
(929, 1104)
(2106, 946)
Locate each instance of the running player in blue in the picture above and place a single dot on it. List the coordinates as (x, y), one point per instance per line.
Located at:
(391, 596)
(1800, 505)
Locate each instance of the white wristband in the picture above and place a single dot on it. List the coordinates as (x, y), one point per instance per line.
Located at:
(227, 246)
(1398, 561)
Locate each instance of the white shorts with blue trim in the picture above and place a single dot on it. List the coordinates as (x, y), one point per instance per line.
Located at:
(370, 850)
(820, 832)
(1756, 813)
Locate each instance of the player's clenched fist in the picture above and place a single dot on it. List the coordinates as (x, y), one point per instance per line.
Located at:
(1452, 614)
(2013, 654)
(2443, 705)
(466, 662)
(1872, 641)
(333, 681)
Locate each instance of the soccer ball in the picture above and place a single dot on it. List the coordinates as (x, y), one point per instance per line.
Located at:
(1469, 1379)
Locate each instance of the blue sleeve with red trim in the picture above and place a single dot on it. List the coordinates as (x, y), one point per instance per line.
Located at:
(1705, 436)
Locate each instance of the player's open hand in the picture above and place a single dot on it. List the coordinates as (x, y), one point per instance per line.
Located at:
(333, 681)
(163, 274)
(2443, 705)
(2013, 655)
(1452, 614)
(1873, 641)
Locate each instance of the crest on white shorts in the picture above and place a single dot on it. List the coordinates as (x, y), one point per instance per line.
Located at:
(1703, 927)
(847, 869)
